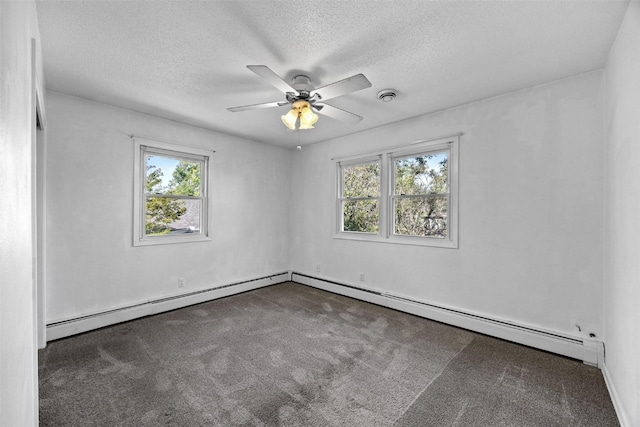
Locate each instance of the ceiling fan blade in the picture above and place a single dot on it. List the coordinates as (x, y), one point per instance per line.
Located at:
(342, 87)
(267, 74)
(337, 113)
(257, 106)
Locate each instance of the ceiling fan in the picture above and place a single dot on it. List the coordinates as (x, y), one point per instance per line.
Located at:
(305, 99)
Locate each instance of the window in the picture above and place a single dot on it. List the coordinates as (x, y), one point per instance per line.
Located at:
(421, 194)
(360, 197)
(171, 185)
(407, 195)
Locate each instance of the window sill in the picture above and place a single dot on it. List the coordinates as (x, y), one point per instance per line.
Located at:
(398, 240)
(164, 240)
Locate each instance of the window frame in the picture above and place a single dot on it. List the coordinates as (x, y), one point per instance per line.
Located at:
(144, 147)
(386, 233)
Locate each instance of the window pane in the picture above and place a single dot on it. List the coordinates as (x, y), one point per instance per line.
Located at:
(361, 180)
(166, 215)
(168, 175)
(419, 216)
(423, 174)
(360, 215)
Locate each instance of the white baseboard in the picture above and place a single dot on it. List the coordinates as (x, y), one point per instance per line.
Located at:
(589, 351)
(615, 398)
(78, 325)
(586, 350)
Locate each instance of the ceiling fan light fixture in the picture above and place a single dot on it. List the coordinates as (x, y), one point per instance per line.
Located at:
(307, 118)
(302, 110)
(290, 118)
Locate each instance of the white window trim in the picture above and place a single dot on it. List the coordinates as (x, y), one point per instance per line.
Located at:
(139, 176)
(387, 156)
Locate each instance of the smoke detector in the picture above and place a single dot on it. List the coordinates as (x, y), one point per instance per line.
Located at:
(387, 95)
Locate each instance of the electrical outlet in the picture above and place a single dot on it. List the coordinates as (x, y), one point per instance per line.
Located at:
(181, 282)
(317, 268)
(362, 277)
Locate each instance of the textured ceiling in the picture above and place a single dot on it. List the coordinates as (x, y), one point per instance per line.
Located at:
(186, 60)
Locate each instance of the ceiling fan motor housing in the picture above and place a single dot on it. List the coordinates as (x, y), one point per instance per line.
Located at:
(302, 84)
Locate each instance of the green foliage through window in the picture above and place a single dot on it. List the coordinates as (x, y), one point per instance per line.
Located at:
(401, 194)
(361, 216)
(167, 202)
(420, 201)
(360, 194)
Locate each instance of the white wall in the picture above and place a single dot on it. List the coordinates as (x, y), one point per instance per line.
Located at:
(92, 264)
(18, 352)
(622, 219)
(530, 247)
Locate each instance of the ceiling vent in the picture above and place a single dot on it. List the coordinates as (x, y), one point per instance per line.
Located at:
(387, 95)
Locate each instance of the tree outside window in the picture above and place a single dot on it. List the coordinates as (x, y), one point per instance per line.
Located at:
(420, 200)
(361, 197)
(172, 207)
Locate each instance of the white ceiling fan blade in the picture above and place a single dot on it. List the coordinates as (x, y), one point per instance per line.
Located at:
(257, 106)
(337, 113)
(342, 87)
(267, 74)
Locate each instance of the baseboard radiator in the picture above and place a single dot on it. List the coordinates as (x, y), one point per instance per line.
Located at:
(77, 325)
(587, 350)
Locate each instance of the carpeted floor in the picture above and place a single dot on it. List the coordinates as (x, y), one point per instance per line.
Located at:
(291, 355)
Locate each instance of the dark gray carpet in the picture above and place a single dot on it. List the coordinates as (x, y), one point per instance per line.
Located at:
(291, 355)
